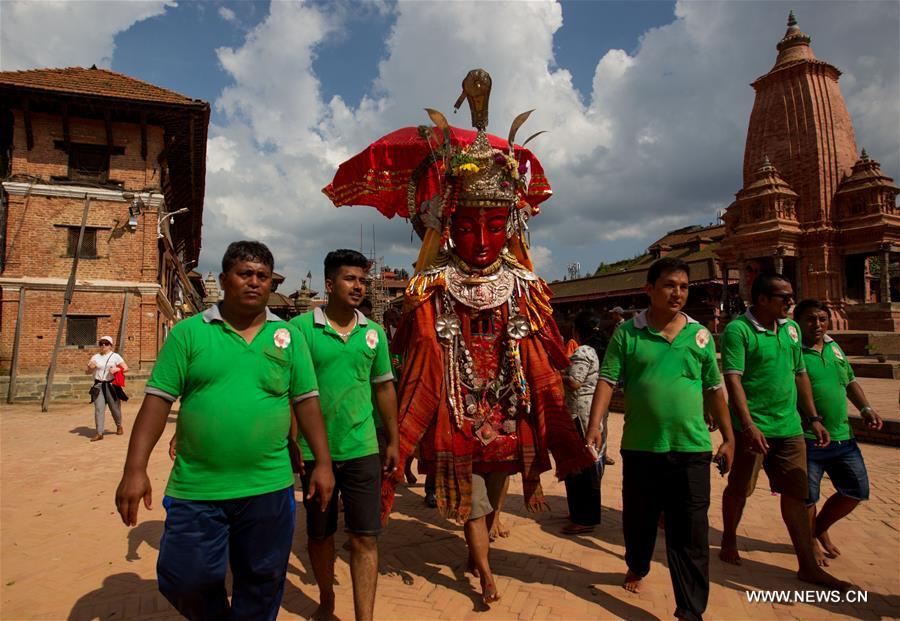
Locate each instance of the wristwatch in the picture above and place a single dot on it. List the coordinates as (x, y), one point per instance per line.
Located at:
(866, 409)
(813, 419)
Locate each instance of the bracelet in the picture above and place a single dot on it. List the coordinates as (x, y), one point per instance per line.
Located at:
(866, 409)
(814, 419)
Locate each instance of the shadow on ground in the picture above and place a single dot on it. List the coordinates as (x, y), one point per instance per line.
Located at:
(440, 545)
(122, 596)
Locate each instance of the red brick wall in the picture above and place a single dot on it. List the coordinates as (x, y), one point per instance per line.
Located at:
(37, 240)
(45, 160)
(38, 333)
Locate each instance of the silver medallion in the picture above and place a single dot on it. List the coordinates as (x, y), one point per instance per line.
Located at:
(518, 327)
(447, 326)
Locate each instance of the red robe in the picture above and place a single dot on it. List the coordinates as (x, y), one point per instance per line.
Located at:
(424, 410)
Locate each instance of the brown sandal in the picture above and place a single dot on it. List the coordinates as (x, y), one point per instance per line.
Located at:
(97, 437)
(576, 529)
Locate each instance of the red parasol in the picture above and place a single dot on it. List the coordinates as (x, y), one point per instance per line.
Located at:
(379, 176)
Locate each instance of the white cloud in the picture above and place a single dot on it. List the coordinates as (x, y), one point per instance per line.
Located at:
(64, 34)
(227, 14)
(658, 143)
(541, 258)
(220, 154)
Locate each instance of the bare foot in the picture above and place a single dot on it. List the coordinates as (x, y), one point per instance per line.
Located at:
(821, 561)
(489, 593)
(498, 530)
(823, 578)
(730, 554)
(632, 582)
(831, 550)
(325, 611)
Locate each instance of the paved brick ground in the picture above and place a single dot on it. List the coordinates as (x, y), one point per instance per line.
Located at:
(66, 555)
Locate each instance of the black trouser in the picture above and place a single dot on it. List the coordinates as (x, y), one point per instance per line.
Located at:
(583, 496)
(676, 484)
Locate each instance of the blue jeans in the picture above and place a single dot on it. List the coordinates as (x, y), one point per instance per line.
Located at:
(201, 538)
(843, 462)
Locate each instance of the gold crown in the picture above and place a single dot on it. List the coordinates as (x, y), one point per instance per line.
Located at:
(492, 182)
(484, 176)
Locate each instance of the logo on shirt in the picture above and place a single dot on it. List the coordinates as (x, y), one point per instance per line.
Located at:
(282, 338)
(792, 332)
(837, 352)
(371, 339)
(702, 338)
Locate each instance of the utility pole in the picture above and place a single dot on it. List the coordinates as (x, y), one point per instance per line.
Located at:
(70, 290)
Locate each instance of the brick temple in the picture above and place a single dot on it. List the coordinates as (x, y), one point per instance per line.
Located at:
(813, 207)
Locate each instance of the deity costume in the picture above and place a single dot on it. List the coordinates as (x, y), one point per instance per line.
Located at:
(479, 387)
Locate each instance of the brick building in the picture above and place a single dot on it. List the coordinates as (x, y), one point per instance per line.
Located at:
(812, 207)
(129, 155)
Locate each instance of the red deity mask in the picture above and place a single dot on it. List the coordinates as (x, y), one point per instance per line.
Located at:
(479, 234)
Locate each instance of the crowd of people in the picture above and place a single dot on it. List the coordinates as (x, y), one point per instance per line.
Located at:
(254, 389)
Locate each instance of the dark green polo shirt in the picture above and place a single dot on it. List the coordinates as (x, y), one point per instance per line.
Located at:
(345, 372)
(767, 362)
(830, 374)
(236, 399)
(663, 384)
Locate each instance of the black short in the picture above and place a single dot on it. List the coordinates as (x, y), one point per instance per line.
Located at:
(358, 481)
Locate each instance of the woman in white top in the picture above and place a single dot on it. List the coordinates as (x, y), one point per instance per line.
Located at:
(580, 379)
(104, 366)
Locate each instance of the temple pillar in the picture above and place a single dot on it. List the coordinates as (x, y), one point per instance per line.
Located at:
(884, 282)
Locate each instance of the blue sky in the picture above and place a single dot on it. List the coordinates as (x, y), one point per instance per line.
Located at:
(347, 64)
(646, 102)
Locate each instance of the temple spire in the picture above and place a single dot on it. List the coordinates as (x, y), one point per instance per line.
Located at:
(794, 46)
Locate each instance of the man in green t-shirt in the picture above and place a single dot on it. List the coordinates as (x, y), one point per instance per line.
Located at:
(353, 365)
(767, 385)
(238, 370)
(667, 362)
(833, 383)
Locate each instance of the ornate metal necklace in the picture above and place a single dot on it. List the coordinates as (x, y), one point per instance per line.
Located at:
(483, 393)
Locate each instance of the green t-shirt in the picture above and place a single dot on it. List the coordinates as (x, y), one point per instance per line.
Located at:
(767, 362)
(830, 374)
(663, 385)
(345, 373)
(235, 411)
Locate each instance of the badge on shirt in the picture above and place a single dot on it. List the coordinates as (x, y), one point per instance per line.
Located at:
(282, 338)
(792, 332)
(371, 339)
(837, 352)
(702, 338)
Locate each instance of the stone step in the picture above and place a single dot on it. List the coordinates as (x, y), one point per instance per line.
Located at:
(867, 366)
(860, 343)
